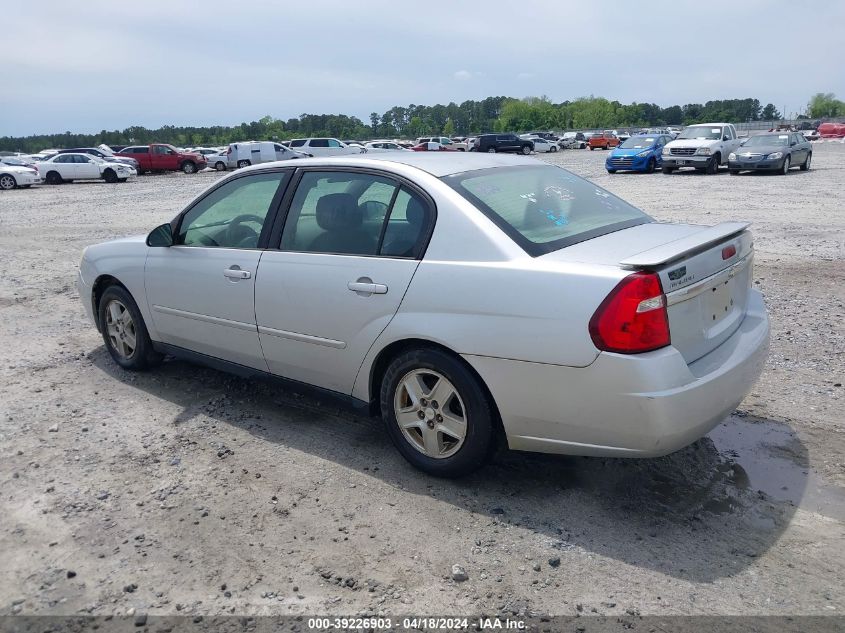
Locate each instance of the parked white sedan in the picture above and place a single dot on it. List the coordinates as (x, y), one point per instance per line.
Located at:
(542, 145)
(69, 167)
(14, 176)
(459, 296)
(325, 147)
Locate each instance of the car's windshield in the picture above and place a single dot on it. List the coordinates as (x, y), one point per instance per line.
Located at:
(701, 132)
(767, 139)
(636, 142)
(544, 208)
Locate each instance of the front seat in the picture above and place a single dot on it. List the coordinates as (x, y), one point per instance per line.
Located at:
(341, 219)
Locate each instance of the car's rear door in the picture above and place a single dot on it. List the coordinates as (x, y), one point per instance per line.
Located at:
(201, 290)
(350, 246)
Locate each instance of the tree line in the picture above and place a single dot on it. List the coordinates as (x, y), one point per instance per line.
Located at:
(496, 114)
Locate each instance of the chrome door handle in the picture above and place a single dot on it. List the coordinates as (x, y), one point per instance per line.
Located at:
(236, 273)
(367, 287)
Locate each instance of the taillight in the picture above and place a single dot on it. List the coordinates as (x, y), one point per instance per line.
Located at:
(632, 318)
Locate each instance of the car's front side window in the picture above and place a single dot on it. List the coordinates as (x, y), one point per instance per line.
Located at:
(338, 212)
(233, 215)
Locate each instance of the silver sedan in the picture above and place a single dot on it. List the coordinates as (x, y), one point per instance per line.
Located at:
(462, 297)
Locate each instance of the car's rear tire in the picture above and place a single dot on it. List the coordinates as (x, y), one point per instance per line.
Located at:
(189, 167)
(220, 165)
(667, 170)
(8, 182)
(53, 178)
(124, 331)
(122, 179)
(109, 176)
(449, 437)
(733, 172)
(806, 164)
(611, 171)
(650, 165)
(592, 148)
(243, 163)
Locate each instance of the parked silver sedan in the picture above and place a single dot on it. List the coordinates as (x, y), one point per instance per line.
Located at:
(461, 297)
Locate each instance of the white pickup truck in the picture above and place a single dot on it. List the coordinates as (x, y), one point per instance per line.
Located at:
(704, 146)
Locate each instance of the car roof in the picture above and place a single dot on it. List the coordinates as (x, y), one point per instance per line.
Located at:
(438, 164)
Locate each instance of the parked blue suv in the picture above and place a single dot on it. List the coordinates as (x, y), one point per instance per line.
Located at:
(638, 153)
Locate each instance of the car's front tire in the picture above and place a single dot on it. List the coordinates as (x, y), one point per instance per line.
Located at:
(650, 165)
(526, 150)
(667, 170)
(437, 413)
(109, 176)
(786, 165)
(53, 178)
(713, 165)
(124, 331)
(7, 182)
(189, 167)
(491, 150)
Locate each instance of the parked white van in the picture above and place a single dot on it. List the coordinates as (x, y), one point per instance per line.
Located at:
(255, 152)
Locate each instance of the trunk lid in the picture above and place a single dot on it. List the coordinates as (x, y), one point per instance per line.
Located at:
(705, 273)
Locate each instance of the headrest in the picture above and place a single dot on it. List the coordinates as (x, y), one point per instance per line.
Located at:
(415, 212)
(338, 212)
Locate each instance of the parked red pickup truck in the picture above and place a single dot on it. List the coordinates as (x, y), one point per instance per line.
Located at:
(605, 140)
(163, 157)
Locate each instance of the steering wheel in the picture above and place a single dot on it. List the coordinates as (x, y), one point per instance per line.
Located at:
(236, 232)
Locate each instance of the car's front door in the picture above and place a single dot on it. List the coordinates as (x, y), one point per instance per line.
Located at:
(85, 167)
(201, 290)
(349, 248)
(799, 149)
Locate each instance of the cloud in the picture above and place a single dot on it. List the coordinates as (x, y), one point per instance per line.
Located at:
(463, 75)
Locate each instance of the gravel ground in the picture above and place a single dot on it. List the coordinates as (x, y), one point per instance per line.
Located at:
(185, 490)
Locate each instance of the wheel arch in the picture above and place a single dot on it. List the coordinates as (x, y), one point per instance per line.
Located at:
(381, 362)
(98, 288)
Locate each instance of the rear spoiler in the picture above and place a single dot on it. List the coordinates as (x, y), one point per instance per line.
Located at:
(684, 246)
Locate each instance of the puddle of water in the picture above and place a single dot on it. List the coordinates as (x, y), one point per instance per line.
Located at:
(773, 459)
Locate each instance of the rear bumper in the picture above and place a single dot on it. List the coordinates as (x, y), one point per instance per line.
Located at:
(643, 405)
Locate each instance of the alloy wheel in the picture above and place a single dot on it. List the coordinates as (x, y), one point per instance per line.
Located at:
(7, 182)
(121, 329)
(430, 413)
(786, 165)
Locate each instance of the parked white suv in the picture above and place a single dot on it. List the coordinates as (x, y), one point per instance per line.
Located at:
(704, 147)
(325, 146)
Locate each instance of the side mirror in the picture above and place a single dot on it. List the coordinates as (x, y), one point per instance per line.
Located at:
(793, 144)
(161, 236)
(726, 138)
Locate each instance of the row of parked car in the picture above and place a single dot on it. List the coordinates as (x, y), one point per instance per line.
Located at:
(709, 146)
(704, 147)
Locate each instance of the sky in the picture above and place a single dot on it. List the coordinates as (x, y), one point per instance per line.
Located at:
(92, 65)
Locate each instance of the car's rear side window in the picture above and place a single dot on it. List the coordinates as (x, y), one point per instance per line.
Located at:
(544, 208)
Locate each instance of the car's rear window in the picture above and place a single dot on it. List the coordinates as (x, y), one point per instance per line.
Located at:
(545, 208)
